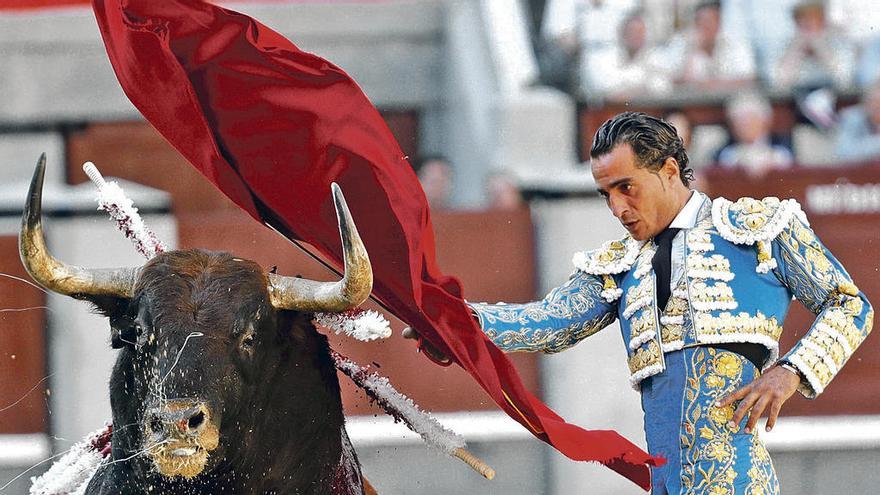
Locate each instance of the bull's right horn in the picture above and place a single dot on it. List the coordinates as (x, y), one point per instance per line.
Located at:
(54, 275)
(308, 295)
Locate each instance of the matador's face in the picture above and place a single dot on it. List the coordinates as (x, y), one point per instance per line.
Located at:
(640, 198)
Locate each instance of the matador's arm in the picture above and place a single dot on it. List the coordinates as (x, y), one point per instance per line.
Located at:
(567, 315)
(844, 315)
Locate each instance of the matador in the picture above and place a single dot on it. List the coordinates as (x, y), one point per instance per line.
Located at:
(701, 288)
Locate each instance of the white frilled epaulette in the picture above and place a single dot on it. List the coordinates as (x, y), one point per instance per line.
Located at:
(612, 258)
(755, 222)
(749, 220)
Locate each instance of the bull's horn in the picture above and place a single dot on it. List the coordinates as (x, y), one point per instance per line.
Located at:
(354, 288)
(54, 275)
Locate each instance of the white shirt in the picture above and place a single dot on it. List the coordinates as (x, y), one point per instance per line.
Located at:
(686, 219)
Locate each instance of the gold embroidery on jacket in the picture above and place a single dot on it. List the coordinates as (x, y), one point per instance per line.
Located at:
(578, 301)
(716, 266)
(742, 324)
(645, 356)
(639, 296)
(642, 328)
(843, 320)
(672, 333)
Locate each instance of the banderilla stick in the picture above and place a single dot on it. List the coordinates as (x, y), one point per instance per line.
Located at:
(476, 464)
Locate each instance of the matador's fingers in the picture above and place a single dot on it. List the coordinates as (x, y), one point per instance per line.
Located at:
(744, 407)
(426, 347)
(756, 412)
(730, 399)
(774, 413)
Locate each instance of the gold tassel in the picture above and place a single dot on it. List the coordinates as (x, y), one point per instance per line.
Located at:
(764, 253)
(609, 282)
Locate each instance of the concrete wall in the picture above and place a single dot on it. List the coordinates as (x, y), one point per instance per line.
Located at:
(396, 461)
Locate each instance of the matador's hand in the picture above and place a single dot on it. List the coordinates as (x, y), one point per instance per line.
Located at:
(427, 348)
(770, 390)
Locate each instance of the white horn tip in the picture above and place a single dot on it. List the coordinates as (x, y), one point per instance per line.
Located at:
(337, 191)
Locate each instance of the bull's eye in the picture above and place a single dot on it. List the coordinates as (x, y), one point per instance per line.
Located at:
(248, 342)
(125, 333)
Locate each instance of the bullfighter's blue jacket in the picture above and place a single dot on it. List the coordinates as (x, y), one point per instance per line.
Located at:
(744, 262)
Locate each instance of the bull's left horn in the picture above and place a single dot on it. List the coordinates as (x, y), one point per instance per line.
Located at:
(54, 275)
(308, 295)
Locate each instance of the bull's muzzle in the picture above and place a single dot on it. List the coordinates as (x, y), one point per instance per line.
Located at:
(179, 436)
(177, 420)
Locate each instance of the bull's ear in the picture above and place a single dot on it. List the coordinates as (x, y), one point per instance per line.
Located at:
(116, 310)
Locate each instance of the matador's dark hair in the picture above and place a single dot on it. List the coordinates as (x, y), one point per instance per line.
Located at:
(653, 140)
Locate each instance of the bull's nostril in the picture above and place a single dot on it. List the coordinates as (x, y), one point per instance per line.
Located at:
(196, 420)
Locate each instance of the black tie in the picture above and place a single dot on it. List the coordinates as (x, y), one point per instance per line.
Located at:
(662, 264)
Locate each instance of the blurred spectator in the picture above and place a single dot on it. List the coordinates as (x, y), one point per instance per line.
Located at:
(858, 18)
(818, 106)
(682, 125)
(558, 58)
(858, 134)
(435, 174)
(768, 27)
(571, 31)
(664, 18)
(593, 23)
(706, 58)
(818, 55)
(868, 68)
(503, 192)
(753, 150)
(628, 67)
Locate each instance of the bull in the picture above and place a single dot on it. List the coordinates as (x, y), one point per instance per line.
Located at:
(221, 383)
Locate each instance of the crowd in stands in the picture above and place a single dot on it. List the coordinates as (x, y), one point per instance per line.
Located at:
(436, 175)
(821, 58)
(746, 53)
(776, 44)
(753, 148)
